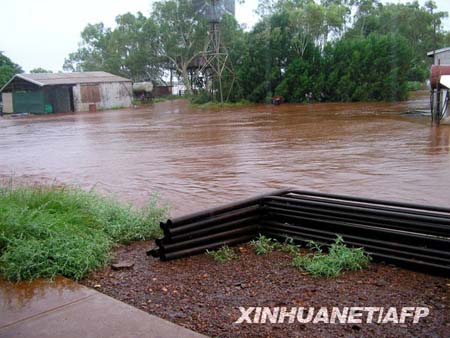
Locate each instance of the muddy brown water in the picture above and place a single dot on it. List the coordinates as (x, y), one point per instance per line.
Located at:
(197, 158)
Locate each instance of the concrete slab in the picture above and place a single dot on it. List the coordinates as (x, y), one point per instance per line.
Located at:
(19, 301)
(82, 312)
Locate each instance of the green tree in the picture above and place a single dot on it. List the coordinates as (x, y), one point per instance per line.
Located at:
(311, 21)
(92, 52)
(303, 79)
(301, 49)
(129, 50)
(40, 70)
(7, 69)
(283, 50)
(182, 34)
(419, 25)
(133, 44)
(233, 39)
(368, 69)
(259, 71)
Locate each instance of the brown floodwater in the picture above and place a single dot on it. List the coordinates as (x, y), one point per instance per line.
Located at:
(197, 158)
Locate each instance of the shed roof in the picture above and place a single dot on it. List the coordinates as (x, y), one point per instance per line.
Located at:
(53, 79)
(438, 51)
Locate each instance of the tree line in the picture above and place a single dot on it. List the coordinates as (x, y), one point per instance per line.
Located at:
(303, 50)
(8, 69)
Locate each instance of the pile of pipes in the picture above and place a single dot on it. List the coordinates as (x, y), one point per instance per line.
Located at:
(403, 233)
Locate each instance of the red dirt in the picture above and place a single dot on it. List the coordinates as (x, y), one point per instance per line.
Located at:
(203, 295)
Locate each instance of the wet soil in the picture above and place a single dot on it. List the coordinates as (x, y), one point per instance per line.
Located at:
(205, 296)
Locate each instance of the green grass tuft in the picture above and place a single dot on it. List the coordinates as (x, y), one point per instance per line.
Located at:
(288, 246)
(47, 231)
(224, 254)
(339, 258)
(263, 245)
(216, 105)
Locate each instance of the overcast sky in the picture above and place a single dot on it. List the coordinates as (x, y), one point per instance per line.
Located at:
(41, 33)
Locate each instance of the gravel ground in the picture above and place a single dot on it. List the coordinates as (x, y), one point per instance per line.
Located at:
(205, 296)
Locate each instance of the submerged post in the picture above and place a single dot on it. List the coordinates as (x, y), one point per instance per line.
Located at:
(437, 118)
(439, 83)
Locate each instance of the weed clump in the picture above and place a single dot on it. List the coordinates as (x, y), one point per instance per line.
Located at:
(288, 246)
(263, 245)
(224, 254)
(47, 231)
(319, 264)
(339, 258)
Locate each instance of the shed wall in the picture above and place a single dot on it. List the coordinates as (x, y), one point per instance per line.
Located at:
(59, 98)
(29, 102)
(442, 58)
(7, 102)
(112, 95)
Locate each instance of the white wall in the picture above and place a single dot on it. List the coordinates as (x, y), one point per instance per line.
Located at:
(112, 95)
(177, 88)
(7, 102)
(443, 58)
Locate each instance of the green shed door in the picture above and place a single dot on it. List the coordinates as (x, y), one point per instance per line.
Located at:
(29, 102)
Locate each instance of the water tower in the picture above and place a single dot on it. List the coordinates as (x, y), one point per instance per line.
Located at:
(215, 59)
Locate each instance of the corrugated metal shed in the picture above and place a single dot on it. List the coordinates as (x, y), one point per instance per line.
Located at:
(55, 79)
(68, 92)
(438, 51)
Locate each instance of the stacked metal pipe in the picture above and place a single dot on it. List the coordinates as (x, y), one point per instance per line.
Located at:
(210, 229)
(408, 234)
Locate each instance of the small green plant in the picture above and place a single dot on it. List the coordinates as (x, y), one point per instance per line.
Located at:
(224, 254)
(263, 245)
(415, 85)
(136, 102)
(201, 97)
(314, 246)
(339, 258)
(288, 246)
(217, 105)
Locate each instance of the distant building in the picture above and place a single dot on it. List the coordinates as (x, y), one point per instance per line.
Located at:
(178, 89)
(65, 92)
(160, 91)
(440, 56)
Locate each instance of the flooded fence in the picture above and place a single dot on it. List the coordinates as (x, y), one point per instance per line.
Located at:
(417, 236)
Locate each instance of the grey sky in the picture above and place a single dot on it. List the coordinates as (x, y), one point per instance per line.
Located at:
(41, 33)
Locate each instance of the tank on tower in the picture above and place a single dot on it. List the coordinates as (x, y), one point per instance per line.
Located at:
(215, 57)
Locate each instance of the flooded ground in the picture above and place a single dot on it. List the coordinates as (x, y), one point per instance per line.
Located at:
(196, 158)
